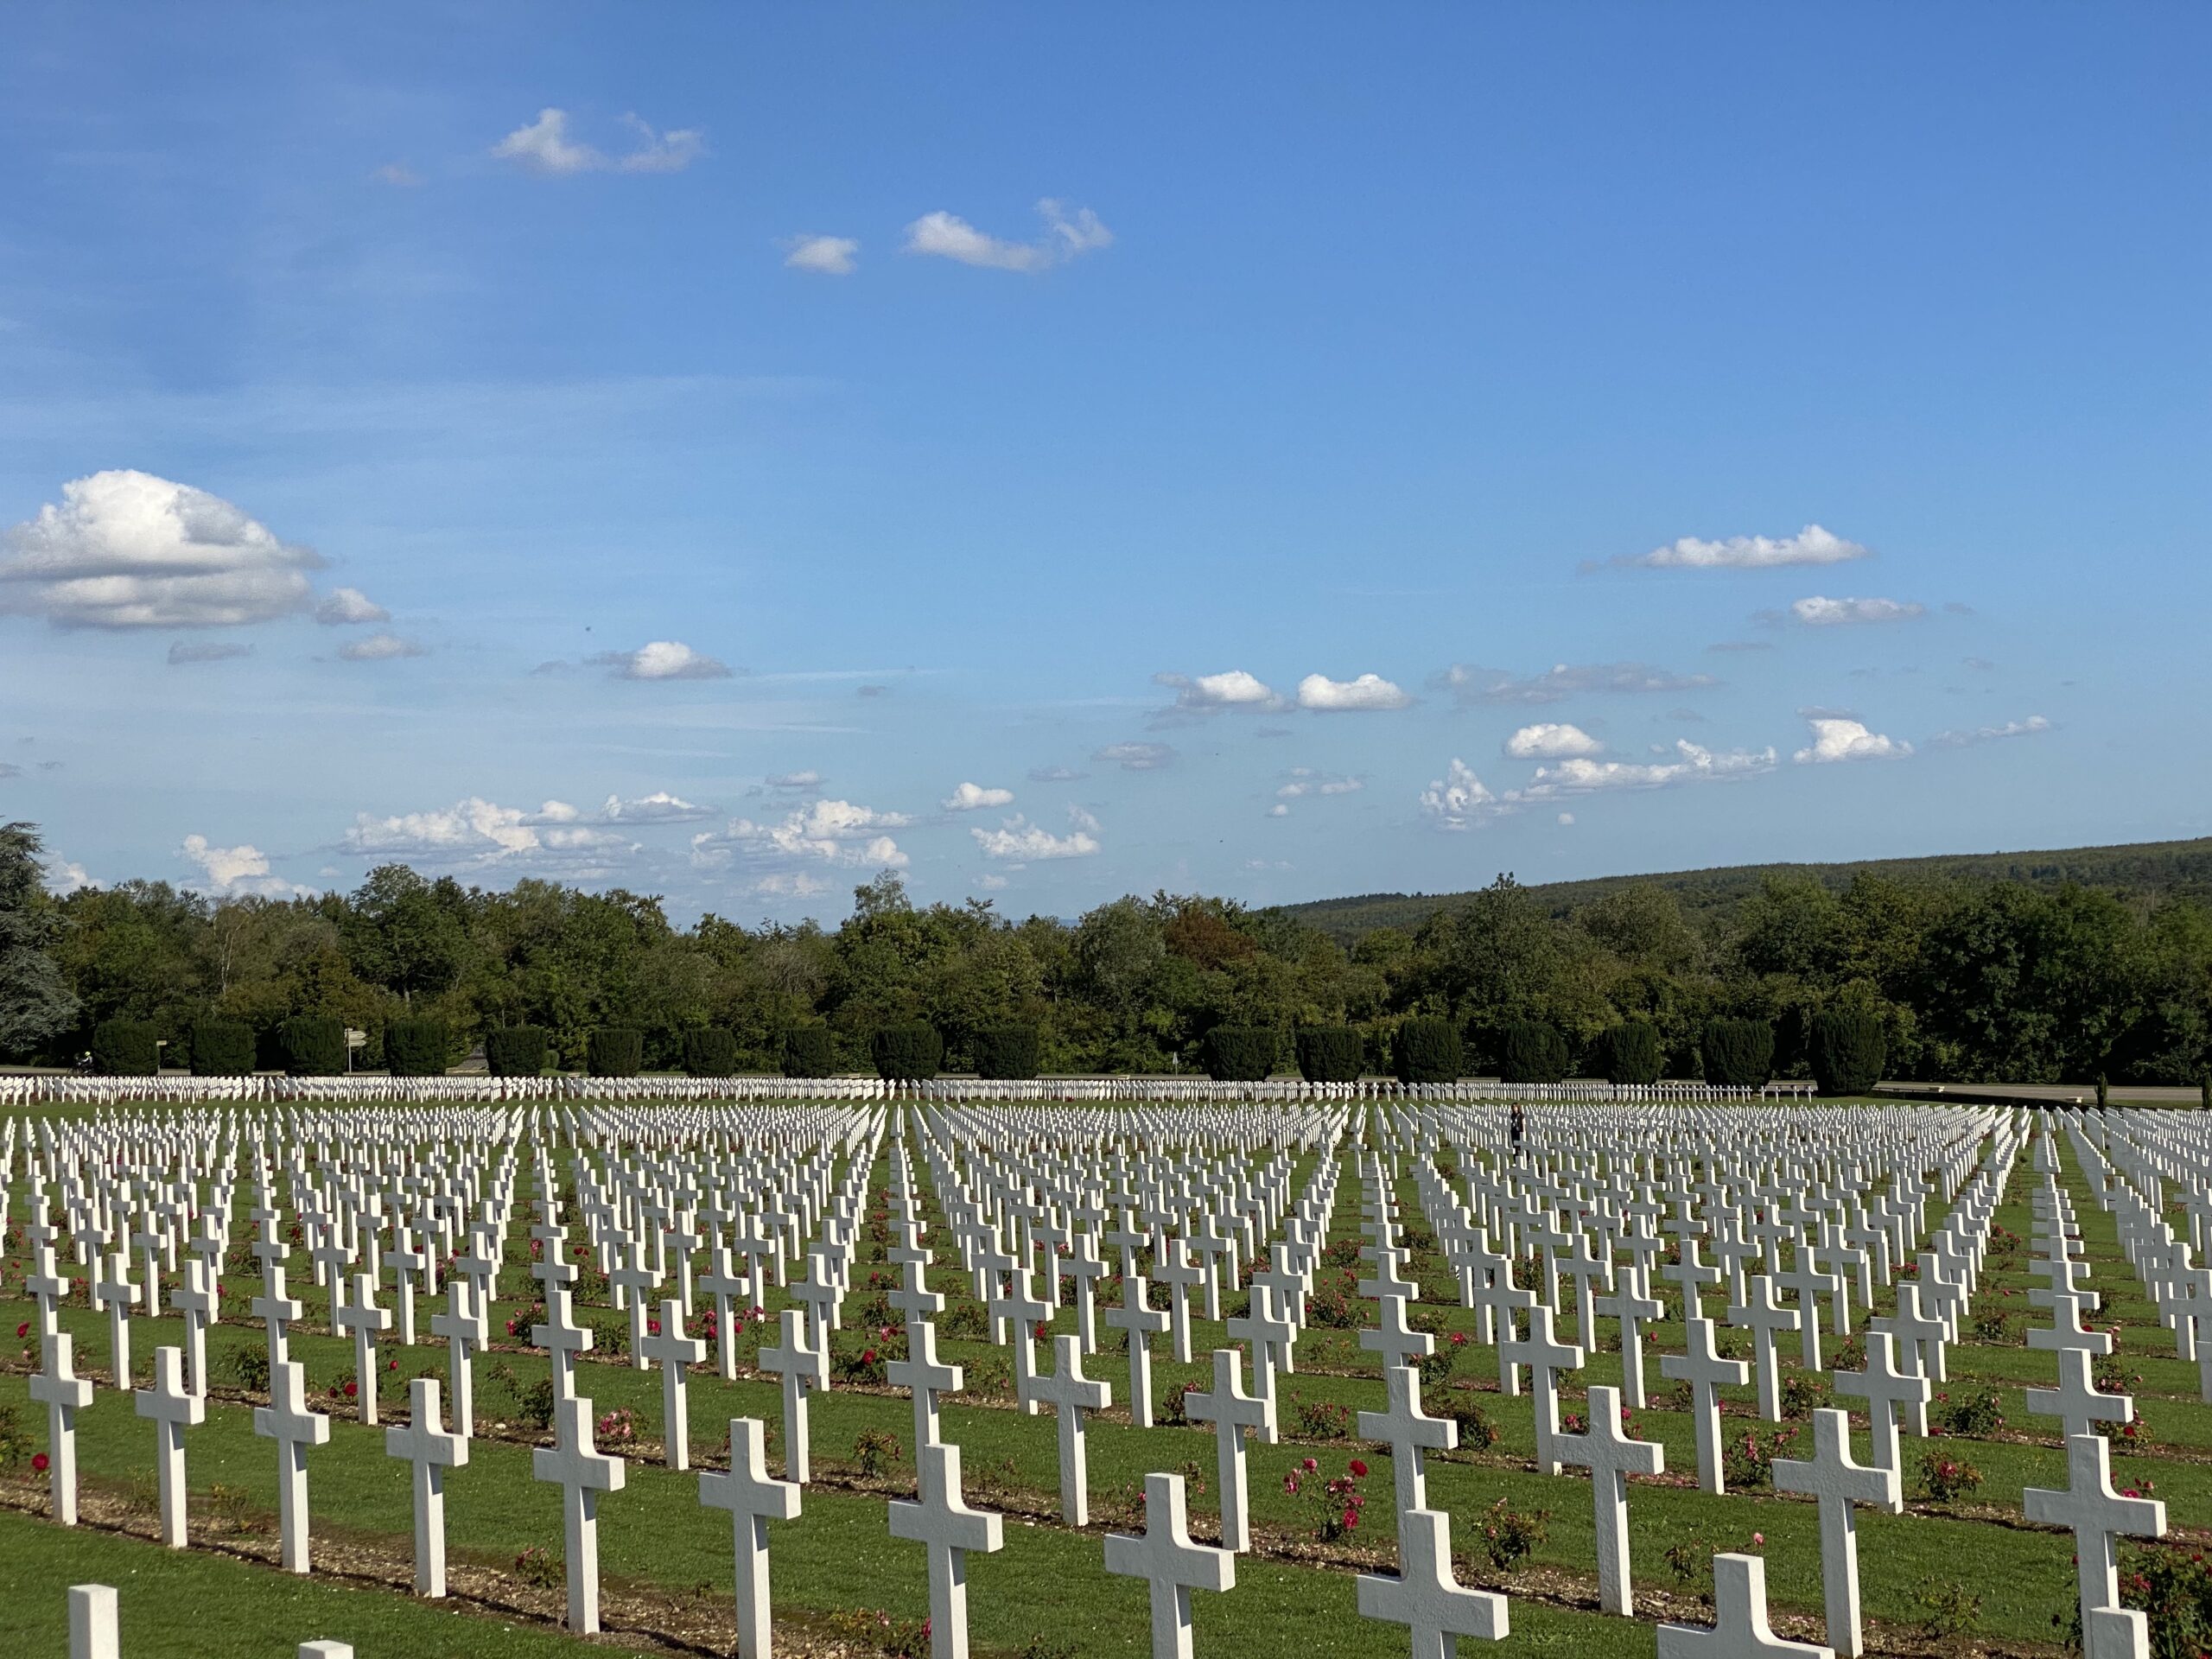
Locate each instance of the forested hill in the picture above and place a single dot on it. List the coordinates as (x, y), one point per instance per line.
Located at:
(2142, 869)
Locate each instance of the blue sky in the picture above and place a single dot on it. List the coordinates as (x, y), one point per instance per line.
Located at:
(822, 410)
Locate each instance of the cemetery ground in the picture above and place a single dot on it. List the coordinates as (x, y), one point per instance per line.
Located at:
(1961, 1570)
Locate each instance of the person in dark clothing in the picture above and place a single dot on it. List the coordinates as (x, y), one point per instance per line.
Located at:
(1519, 1123)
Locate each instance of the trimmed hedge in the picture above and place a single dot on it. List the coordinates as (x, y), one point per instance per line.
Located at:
(1426, 1050)
(1008, 1051)
(221, 1048)
(126, 1048)
(1738, 1053)
(1331, 1055)
(1848, 1052)
(1242, 1054)
(809, 1052)
(614, 1052)
(710, 1053)
(1530, 1050)
(514, 1051)
(312, 1045)
(907, 1053)
(416, 1048)
(1628, 1053)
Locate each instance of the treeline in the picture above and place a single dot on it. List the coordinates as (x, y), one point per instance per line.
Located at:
(1950, 980)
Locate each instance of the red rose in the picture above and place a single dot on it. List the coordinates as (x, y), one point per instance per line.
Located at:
(1359, 1467)
(39, 1462)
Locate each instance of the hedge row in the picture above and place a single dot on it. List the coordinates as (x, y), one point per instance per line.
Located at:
(1848, 1052)
(515, 1051)
(907, 1053)
(417, 1048)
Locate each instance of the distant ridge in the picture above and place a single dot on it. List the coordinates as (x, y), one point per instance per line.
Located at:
(2150, 870)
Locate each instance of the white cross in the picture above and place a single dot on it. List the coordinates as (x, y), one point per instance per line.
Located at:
(1705, 1371)
(725, 1285)
(582, 1471)
(2097, 1516)
(1545, 1357)
(1173, 1268)
(1767, 1320)
(1630, 1303)
(64, 1394)
(1231, 1411)
(1136, 1316)
(192, 1300)
(1885, 1387)
(1611, 1456)
(803, 1369)
(1427, 1596)
(172, 1408)
(1839, 1483)
(367, 1321)
(463, 1328)
(943, 1522)
(1740, 1627)
(753, 1500)
(1268, 1335)
(2076, 1400)
(1167, 1559)
(923, 1373)
(1069, 1393)
(118, 1295)
(562, 1338)
(672, 1351)
(1410, 1430)
(431, 1451)
(1398, 1343)
(287, 1420)
(1023, 1310)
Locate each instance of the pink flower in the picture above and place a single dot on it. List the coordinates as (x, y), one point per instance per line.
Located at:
(1759, 1538)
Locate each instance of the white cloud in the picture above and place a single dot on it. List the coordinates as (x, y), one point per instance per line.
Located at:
(797, 780)
(342, 606)
(1547, 741)
(1811, 546)
(1848, 740)
(825, 256)
(1818, 611)
(379, 648)
(948, 235)
(1304, 780)
(1469, 684)
(1277, 811)
(991, 881)
(543, 147)
(1232, 689)
(232, 872)
(62, 877)
(1565, 819)
(473, 827)
(1459, 799)
(211, 651)
(127, 550)
(1081, 819)
(1578, 775)
(2028, 728)
(828, 832)
(662, 659)
(1368, 691)
(792, 884)
(660, 807)
(974, 798)
(1022, 841)
(1136, 757)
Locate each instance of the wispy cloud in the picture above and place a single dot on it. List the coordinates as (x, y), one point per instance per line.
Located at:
(1961, 739)
(184, 652)
(825, 256)
(379, 648)
(1065, 236)
(1820, 612)
(1469, 685)
(544, 147)
(1135, 757)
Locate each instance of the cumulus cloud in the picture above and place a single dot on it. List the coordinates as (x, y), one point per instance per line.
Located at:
(831, 832)
(1811, 546)
(1065, 236)
(974, 798)
(234, 872)
(1835, 739)
(1471, 685)
(662, 659)
(379, 648)
(1459, 800)
(473, 827)
(2028, 728)
(1368, 692)
(1819, 612)
(342, 606)
(825, 256)
(62, 877)
(791, 884)
(1232, 689)
(184, 652)
(660, 807)
(1136, 757)
(127, 550)
(1579, 775)
(1304, 780)
(1021, 842)
(1549, 741)
(544, 147)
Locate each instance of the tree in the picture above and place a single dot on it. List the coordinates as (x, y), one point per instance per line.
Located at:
(36, 1004)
